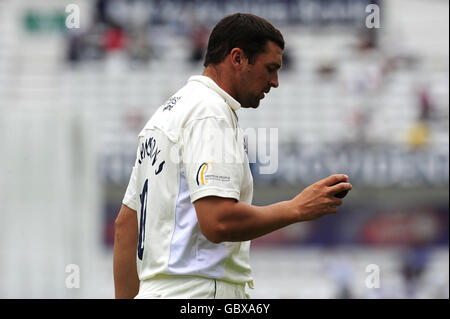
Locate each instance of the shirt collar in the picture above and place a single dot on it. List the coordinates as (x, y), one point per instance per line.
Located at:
(208, 82)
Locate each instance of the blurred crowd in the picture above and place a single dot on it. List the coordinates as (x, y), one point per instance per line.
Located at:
(125, 27)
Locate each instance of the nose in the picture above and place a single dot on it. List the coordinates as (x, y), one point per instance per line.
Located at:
(273, 82)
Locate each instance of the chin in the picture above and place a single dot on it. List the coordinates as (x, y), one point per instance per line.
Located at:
(250, 106)
(253, 105)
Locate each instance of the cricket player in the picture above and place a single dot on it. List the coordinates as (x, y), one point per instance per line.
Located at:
(187, 217)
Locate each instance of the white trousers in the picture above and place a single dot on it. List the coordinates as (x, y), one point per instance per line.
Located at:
(189, 287)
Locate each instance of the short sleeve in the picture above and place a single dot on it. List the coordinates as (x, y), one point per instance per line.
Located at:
(212, 159)
(130, 198)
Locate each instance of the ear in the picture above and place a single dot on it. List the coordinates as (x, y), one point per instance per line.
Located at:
(237, 57)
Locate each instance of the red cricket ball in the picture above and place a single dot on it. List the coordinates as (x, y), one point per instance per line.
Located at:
(340, 194)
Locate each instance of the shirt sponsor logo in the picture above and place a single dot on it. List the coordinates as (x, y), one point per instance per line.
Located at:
(202, 170)
(203, 177)
(170, 103)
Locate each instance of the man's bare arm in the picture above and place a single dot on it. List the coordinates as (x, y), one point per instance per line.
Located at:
(126, 281)
(224, 219)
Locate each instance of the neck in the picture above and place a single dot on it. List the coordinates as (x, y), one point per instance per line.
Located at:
(221, 78)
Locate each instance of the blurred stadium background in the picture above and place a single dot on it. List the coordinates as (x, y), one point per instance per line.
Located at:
(370, 102)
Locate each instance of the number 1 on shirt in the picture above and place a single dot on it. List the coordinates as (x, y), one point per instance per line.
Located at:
(141, 240)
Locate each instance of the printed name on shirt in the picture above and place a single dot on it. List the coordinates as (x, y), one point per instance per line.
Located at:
(170, 103)
(149, 149)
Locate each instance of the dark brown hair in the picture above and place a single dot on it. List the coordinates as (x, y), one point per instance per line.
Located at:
(241, 30)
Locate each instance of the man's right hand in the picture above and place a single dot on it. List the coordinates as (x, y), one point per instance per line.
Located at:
(226, 219)
(319, 198)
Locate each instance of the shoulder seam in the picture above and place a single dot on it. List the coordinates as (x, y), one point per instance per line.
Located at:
(216, 117)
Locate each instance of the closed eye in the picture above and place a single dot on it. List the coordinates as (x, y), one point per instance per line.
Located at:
(273, 67)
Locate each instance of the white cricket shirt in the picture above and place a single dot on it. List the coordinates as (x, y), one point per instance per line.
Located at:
(190, 148)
